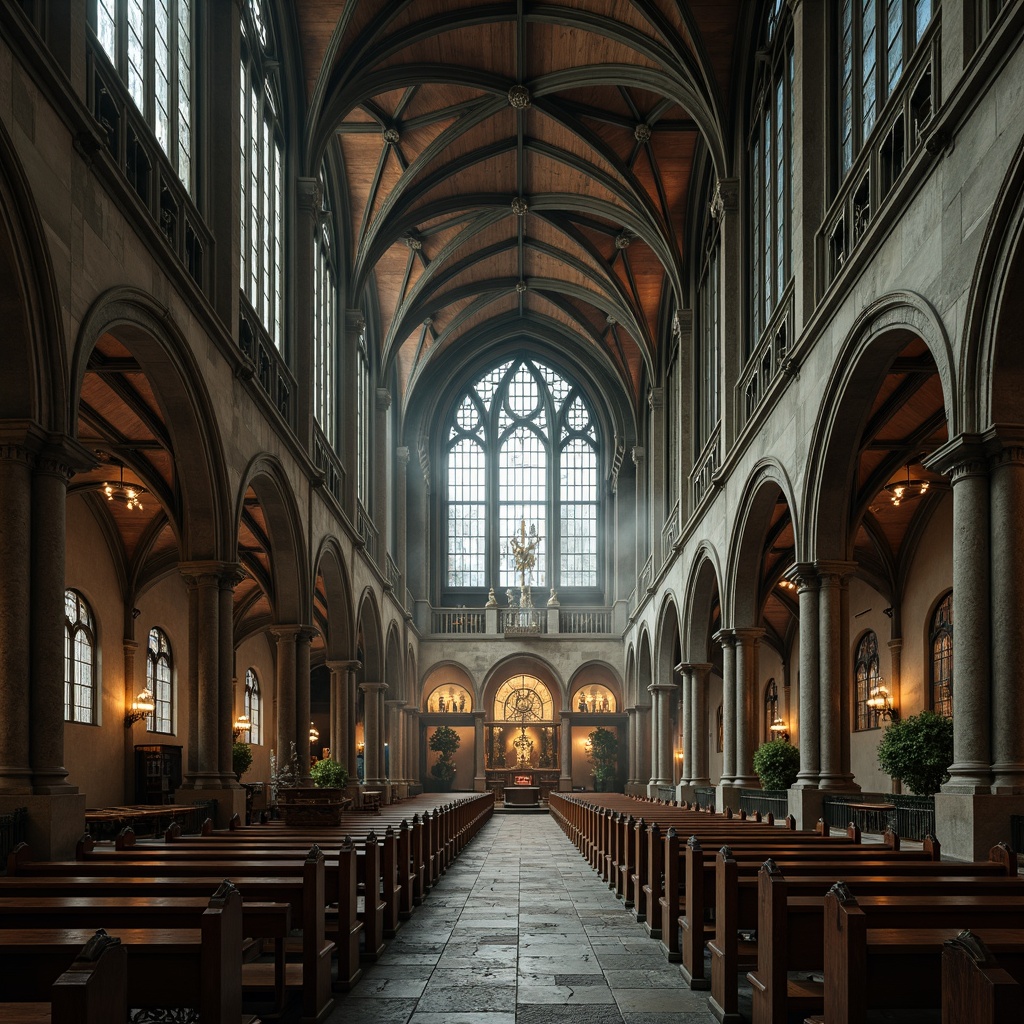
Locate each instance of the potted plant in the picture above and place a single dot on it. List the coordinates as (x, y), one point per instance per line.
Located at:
(445, 741)
(776, 764)
(328, 774)
(603, 755)
(283, 775)
(241, 759)
(918, 751)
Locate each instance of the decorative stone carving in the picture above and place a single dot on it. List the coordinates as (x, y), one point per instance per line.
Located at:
(622, 240)
(520, 287)
(519, 206)
(519, 97)
(414, 243)
(642, 132)
(391, 136)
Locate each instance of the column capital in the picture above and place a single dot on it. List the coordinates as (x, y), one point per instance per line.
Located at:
(480, 716)
(354, 320)
(834, 573)
(895, 645)
(962, 456)
(412, 709)
(631, 711)
(726, 197)
(725, 637)
(211, 573)
(804, 575)
(309, 195)
(383, 397)
(656, 398)
(373, 687)
(129, 646)
(297, 633)
(402, 454)
(342, 666)
(749, 636)
(395, 702)
(662, 687)
(638, 454)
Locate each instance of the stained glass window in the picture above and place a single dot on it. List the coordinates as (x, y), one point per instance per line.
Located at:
(942, 657)
(160, 682)
(866, 678)
(253, 706)
(79, 660)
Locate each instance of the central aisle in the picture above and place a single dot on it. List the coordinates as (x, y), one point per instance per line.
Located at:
(521, 931)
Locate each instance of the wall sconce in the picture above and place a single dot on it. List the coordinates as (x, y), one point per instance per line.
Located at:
(142, 706)
(314, 734)
(242, 725)
(778, 729)
(360, 748)
(880, 702)
(588, 747)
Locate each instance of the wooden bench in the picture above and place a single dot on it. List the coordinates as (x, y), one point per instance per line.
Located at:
(976, 989)
(789, 927)
(93, 990)
(199, 968)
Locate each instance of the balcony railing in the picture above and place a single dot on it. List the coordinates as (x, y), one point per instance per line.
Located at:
(326, 460)
(367, 533)
(394, 577)
(505, 621)
(134, 149)
(645, 578)
(670, 531)
(585, 620)
(458, 621)
(515, 621)
(705, 467)
(271, 370)
(899, 135)
(769, 360)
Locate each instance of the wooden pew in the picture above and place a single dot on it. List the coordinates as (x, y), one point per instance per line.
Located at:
(975, 988)
(897, 943)
(199, 968)
(789, 927)
(93, 990)
(303, 889)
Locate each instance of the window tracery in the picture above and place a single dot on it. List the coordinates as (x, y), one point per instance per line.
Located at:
(941, 663)
(79, 660)
(253, 706)
(523, 699)
(867, 677)
(160, 682)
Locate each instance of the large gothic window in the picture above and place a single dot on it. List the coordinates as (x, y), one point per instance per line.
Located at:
(262, 177)
(325, 298)
(866, 677)
(150, 44)
(160, 682)
(79, 659)
(521, 445)
(253, 706)
(771, 169)
(875, 40)
(942, 657)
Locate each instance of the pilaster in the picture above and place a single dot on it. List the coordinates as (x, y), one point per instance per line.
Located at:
(373, 738)
(725, 208)
(727, 639)
(747, 642)
(806, 578)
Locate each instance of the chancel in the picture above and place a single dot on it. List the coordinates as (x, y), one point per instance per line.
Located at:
(425, 386)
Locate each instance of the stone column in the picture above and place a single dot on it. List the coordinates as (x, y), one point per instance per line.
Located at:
(655, 728)
(685, 722)
(15, 602)
(661, 761)
(303, 637)
(130, 649)
(643, 740)
(1007, 518)
(968, 468)
(341, 713)
(479, 749)
(810, 713)
(565, 754)
(373, 754)
(230, 576)
(203, 582)
(413, 727)
(380, 474)
(698, 773)
(747, 641)
(401, 522)
(309, 203)
(725, 208)
(656, 485)
(286, 685)
(393, 738)
(728, 641)
(642, 518)
(46, 638)
(631, 739)
(834, 770)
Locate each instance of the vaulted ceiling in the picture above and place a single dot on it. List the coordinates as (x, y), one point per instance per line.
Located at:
(519, 170)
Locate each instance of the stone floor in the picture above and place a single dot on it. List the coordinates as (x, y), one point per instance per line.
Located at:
(521, 931)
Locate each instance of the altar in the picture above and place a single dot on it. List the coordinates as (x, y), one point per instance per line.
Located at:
(522, 796)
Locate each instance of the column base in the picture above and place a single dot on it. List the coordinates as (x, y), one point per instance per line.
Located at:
(807, 805)
(746, 782)
(727, 794)
(230, 801)
(55, 822)
(480, 784)
(969, 824)
(838, 783)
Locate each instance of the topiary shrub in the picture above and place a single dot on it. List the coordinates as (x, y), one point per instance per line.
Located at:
(918, 751)
(604, 750)
(445, 741)
(241, 759)
(328, 774)
(776, 764)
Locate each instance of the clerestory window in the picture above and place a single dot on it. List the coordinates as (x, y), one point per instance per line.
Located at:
(521, 448)
(325, 300)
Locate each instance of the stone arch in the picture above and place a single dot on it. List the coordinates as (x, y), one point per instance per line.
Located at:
(630, 687)
(340, 638)
(992, 368)
(464, 677)
(644, 673)
(877, 336)
(530, 664)
(411, 677)
(608, 676)
(703, 586)
(148, 330)
(292, 598)
(34, 382)
(372, 633)
(669, 641)
(760, 494)
(394, 669)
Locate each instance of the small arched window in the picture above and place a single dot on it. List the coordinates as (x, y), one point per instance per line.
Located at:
(942, 657)
(79, 660)
(160, 682)
(867, 677)
(253, 706)
(720, 730)
(771, 708)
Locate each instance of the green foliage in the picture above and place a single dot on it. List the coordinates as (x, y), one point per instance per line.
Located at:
(444, 742)
(604, 754)
(328, 774)
(284, 774)
(918, 751)
(241, 759)
(776, 764)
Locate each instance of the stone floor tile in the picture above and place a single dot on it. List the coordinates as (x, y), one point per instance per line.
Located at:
(564, 994)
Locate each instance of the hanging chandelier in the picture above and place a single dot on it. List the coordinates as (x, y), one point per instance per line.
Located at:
(128, 495)
(904, 490)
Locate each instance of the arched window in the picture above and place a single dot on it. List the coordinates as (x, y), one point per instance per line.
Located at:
(79, 660)
(253, 706)
(150, 44)
(708, 312)
(771, 708)
(523, 699)
(941, 639)
(521, 446)
(160, 682)
(262, 174)
(325, 300)
(867, 677)
(771, 165)
(719, 730)
(364, 420)
(876, 39)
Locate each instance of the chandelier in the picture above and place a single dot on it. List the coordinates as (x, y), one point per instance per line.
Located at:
(242, 726)
(125, 494)
(778, 729)
(904, 490)
(141, 707)
(880, 702)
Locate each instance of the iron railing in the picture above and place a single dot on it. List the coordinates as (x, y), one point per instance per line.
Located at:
(705, 795)
(585, 620)
(764, 800)
(912, 817)
(457, 620)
